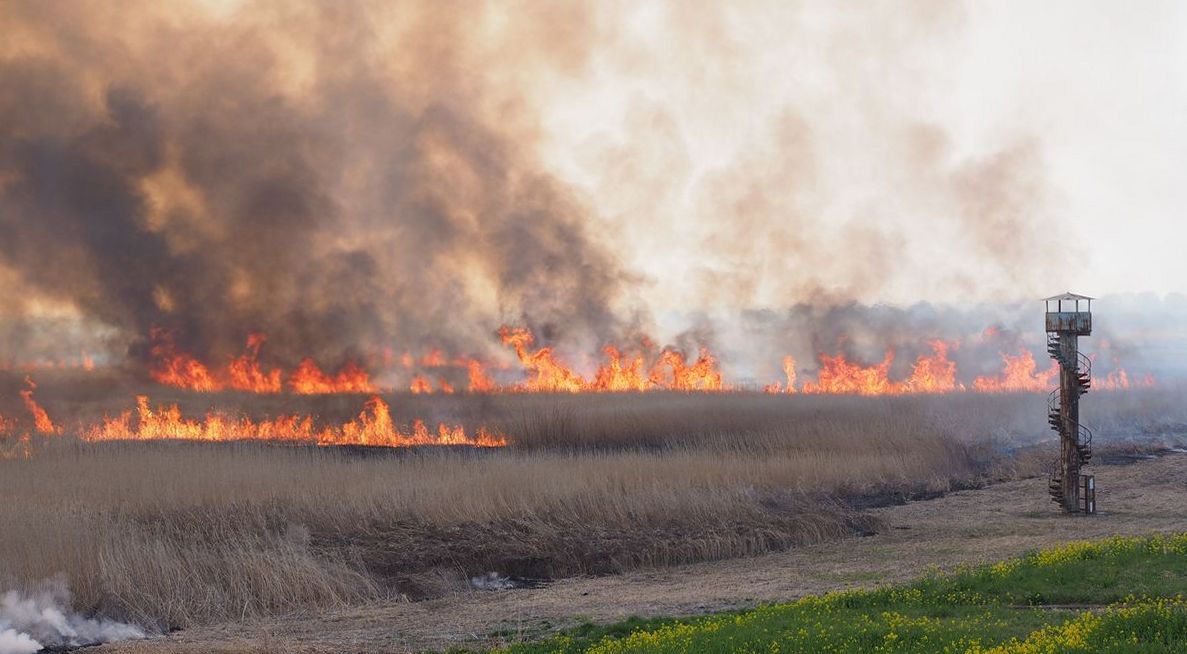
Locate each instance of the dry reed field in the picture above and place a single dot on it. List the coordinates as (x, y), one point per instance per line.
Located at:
(171, 534)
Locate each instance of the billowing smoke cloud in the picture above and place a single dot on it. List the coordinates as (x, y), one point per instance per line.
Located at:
(30, 623)
(338, 176)
(357, 175)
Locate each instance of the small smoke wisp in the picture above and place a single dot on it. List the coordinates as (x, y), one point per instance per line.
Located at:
(35, 621)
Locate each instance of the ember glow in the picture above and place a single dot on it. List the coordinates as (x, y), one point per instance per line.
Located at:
(373, 427)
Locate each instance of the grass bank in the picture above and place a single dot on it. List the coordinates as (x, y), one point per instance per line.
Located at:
(1116, 595)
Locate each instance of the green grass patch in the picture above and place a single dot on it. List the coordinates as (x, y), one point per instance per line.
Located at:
(1127, 592)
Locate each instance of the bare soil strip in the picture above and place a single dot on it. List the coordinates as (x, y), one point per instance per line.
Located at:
(964, 527)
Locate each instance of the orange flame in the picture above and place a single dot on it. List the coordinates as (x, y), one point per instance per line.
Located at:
(12, 446)
(173, 367)
(931, 373)
(617, 376)
(1115, 380)
(789, 372)
(547, 374)
(1019, 374)
(702, 375)
(309, 379)
(479, 381)
(373, 426)
(839, 375)
(670, 371)
(41, 421)
(935, 373)
(1119, 380)
(244, 371)
(620, 371)
(84, 362)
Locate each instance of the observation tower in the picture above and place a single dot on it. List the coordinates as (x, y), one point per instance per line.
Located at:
(1069, 316)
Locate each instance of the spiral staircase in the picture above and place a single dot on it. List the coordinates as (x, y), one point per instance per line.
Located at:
(1082, 366)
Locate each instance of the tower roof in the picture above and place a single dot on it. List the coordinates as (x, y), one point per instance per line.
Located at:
(1067, 296)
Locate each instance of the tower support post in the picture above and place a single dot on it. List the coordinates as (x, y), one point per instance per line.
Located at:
(1069, 409)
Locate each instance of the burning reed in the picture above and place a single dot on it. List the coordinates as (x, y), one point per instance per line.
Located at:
(642, 368)
(168, 534)
(173, 534)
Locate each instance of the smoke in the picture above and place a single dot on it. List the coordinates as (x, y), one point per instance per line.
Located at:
(353, 176)
(337, 176)
(1137, 332)
(30, 623)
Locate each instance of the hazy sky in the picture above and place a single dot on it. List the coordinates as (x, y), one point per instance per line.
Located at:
(351, 174)
(888, 151)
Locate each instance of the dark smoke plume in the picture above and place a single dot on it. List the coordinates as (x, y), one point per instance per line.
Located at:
(336, 175)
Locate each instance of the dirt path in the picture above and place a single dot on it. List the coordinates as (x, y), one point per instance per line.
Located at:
(963, 527)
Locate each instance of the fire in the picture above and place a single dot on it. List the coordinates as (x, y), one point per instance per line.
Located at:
(173, 367)
(839, 375)
(619, 376)
(244, 372)
(309, 379)
(20, 446)
(931, 373)
(546, 373)
(13, 446)
(1019, 373)
(789, 372)
(480, 382)
(373, 426)
(84, 362)
(935, 373)
(639, 369)
(670, 371)
(702, 375)
(41, 420)
(1118, 379)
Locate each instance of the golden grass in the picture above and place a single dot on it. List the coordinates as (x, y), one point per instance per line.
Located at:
(175, 534)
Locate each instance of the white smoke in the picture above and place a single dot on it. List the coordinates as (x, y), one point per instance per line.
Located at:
(32, 622)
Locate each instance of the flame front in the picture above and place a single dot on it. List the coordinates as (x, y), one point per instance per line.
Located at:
(309, 379)
(41, 420)
(1019, 373)
(173, 367)
(373, 426)
(670, 371)
(640, 369)
(244, 373)
(839, 375)
(935, 373)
